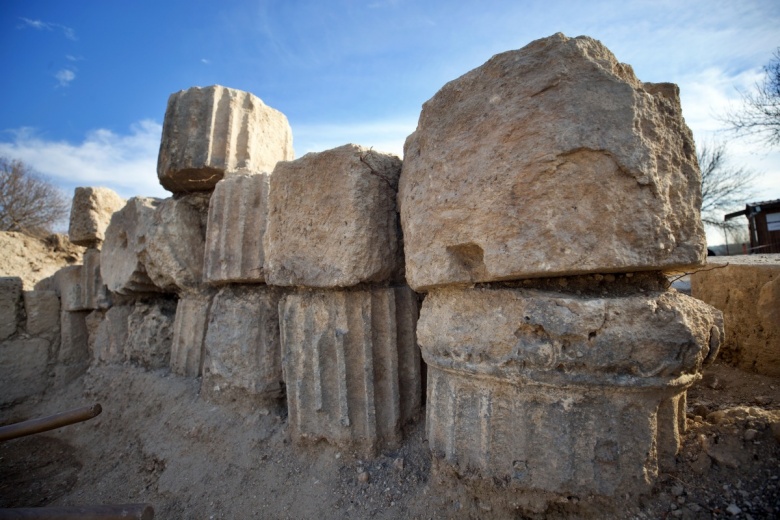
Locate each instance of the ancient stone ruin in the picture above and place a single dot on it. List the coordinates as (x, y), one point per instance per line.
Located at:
(540, 200)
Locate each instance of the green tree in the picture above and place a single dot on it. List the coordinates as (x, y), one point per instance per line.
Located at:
(28, 202)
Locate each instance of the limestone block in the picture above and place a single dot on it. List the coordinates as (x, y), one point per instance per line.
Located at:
(94, 293)
(10, 305)
(111, 336)
(747, 290)
(23, 369)
(43, 314)
(121, 264)
(90, 214)
(242, 351)
(234, 237)
(67, 284)
(332, 219)
(216, 131)
(173, 255)
(74, 343)
(150, 334)
(189, 334)
(551, 160)
(561, 393)
(351, 365)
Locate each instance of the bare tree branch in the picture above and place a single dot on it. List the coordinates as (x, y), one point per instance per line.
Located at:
(759, 115)
(28, 202)
(723, 187)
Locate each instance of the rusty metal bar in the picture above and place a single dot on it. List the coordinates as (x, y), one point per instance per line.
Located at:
(111, 512)
(12, 431)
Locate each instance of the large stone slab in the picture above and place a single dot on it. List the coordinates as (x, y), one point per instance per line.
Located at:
(173, 256)
(90, 215)
(121, 261)
(332, 219)
(551, 160)
(10, 305)
(242, 354)
(68, 285)
(43, 315)
(351, 364)
(561, 393)
(23, 369)
(74, 356)
(110, 339)
(216, 131)
(150, 334)
(747, 290)
(189, 334)
(238, 212)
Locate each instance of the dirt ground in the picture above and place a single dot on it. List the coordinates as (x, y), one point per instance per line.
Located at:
(157, 441)
(33, 259)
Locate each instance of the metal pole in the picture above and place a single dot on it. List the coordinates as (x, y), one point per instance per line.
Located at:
(51, 422)
(118, 512)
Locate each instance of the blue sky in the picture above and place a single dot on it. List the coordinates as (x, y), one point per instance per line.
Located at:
(86, 83)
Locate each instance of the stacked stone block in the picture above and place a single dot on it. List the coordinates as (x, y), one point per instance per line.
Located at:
(29, 340)
(236, 225)
(555, 161)
(213, 132)
(351, 364)
(350, 358)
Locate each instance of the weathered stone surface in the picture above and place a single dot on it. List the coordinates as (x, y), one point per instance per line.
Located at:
(23, 369)
(242, 351)
(351, 364)
(234, 237)
(173, 256)
(74, 356)
(43, 314)
(111, 336)
(74, 344)
(94, 293)
(747, 290)
(90, 214)
(561, 393)
(121, 264)
(216, 131)
(189, 334)
(550, 160)
(10, 305)
(332, 219)
(150, 334)
(67, 284)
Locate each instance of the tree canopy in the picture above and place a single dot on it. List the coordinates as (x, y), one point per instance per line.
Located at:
(723, 186)
(28, 202)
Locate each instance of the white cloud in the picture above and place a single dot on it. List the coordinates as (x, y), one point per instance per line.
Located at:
(205, 61)
(40, 25)
(65, 76)
(71, 57)
(126, 163)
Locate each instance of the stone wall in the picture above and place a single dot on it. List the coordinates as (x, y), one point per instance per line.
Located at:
(541, 199)
(747, 290)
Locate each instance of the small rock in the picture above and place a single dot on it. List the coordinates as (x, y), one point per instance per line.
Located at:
(398, 464)
(363, 477)
(677, 513)
(678, 490)
(701, 410)
(750, 434)
(733, 509)
(711, 381)
(762, 400)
